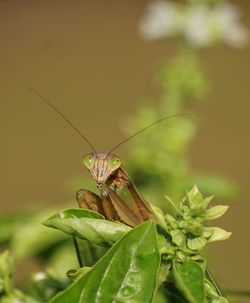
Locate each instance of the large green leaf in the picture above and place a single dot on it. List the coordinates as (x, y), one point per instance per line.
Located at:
(189, 278)
(87, 224)
(126, 273)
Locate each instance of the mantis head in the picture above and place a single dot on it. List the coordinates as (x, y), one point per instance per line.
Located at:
(101, 166)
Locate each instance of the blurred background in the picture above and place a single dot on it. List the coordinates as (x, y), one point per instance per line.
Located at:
(99, 63)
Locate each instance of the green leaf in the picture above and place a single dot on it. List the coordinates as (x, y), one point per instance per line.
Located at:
(206, 202)
(212, 294)
(201, 208)
(173, 294)
(174, 206)
(178, 237)
(76, 274)
(160, 218)
(77, 213)
(207, 232)
(189, 278)
(171, 220)
(196, 243)
(89, 225)
(165, 247)
(218, 234)
(90, 253)
(127, 272)
(163, 272)
(215, 212)
(194, 197)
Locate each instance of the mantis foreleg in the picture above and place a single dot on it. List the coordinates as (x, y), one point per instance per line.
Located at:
(88, 199)
(112, 207)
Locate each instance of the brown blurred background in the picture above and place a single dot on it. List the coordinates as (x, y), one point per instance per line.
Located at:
(87, 58)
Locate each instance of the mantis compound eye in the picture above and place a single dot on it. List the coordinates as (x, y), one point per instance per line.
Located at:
(88, 160)
(114, 163)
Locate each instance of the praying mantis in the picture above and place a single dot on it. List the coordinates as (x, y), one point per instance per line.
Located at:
(109, 175)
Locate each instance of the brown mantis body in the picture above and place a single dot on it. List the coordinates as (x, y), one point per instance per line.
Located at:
(110, 177)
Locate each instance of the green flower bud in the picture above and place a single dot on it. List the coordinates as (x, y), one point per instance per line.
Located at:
(218, 234)
(178, 237)
(196, 243)
(215, 212)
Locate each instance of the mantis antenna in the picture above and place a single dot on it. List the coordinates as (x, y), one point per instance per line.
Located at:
(150, 125)
(64, 118)
(85, 138)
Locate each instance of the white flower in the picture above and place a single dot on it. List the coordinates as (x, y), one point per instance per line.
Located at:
(205, 26)
(232, 31)
(159, 20)
(200, 25)
(39, 276)
(237, 36)
(196, 26)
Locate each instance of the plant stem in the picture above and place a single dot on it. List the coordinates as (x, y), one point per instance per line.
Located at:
(77, 251)
(212, 280)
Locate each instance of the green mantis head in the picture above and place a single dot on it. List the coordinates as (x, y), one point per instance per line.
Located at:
(101, 166)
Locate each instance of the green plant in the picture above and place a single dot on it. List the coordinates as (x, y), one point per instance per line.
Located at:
(161, 256)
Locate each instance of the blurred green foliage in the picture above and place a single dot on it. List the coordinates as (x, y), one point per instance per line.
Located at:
(158, 159)
(8, 294)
